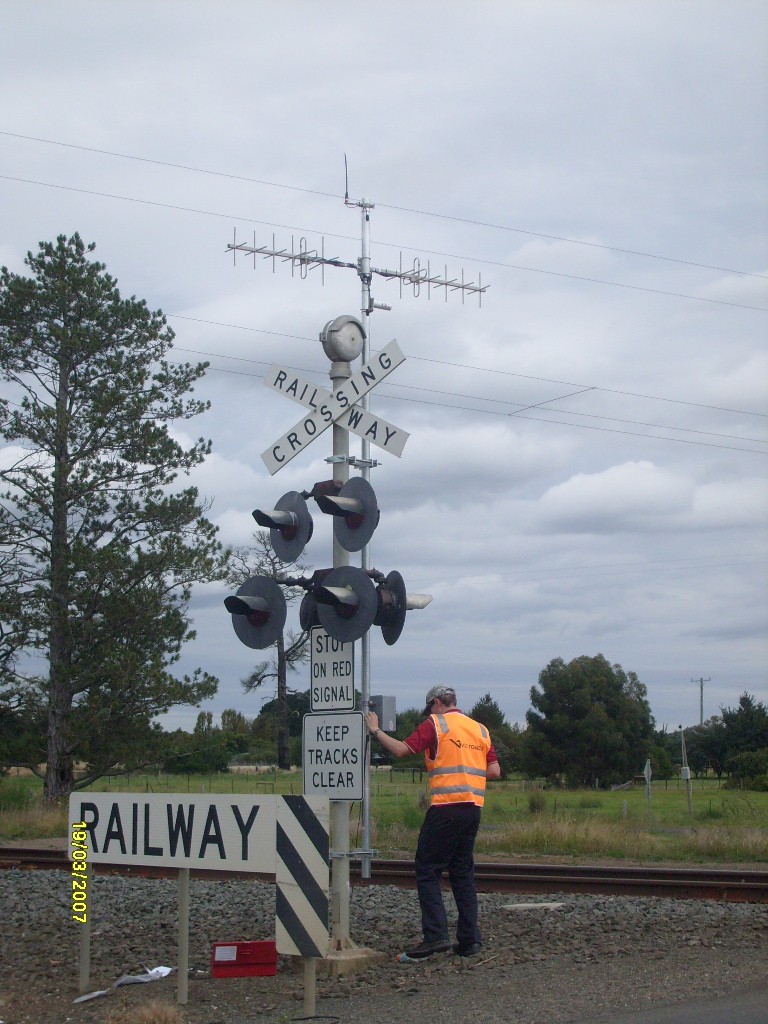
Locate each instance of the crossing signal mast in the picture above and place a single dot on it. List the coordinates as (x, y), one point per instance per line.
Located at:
(345, 600)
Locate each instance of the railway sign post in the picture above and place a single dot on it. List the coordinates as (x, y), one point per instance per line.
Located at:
(648, 775)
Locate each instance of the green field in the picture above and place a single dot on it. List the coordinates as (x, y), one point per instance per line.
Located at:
(520, 820)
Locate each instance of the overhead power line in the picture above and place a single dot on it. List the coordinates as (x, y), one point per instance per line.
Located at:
(387, 206)
(465, 366)
(518, 413)
(496, 401)
(392, 245)
(521, 414)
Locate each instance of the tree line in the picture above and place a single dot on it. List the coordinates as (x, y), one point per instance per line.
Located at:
(589, 726)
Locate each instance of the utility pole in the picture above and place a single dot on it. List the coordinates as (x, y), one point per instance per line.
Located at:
(701, 696)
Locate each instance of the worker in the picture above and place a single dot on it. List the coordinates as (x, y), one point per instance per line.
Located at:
(459, 758)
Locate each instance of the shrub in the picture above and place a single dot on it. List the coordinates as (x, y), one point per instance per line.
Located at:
(17, 794)
(261, 752)
(750, 770)
(537, 802)
(201, 759)
(712, 813)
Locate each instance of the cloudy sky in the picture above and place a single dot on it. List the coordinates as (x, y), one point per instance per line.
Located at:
(586, 471)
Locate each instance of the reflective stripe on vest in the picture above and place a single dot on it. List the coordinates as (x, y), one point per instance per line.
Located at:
(457, 774)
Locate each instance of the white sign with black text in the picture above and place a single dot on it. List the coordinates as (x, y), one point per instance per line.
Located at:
(226, 833)
(332, 749)
(332, 666)
(307, 429)
(371, 428)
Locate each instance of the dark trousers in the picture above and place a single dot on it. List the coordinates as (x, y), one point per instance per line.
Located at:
(447, 841)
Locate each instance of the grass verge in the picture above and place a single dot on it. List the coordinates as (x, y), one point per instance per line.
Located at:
(724, 826)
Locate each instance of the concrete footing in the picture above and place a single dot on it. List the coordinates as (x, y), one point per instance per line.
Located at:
(341, 962)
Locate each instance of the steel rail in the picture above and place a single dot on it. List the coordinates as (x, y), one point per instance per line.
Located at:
(732, 885)
(728, 884)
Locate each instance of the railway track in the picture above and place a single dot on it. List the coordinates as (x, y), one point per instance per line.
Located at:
(684, 883)
(726, 884)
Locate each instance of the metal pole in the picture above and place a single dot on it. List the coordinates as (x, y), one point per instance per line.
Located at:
(182, 995)
(701, 702)
(701, 696)
(686, 772)
(340, 889)
(365, 562)
(85, 939)
(310, 986)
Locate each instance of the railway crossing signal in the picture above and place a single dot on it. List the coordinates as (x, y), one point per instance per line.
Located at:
(354, 508)
(290, 525)
(352, 504)
(258, 612)
(391, 607)
(345, 601)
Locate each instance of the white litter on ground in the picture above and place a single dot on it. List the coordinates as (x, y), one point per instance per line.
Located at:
(156, 974)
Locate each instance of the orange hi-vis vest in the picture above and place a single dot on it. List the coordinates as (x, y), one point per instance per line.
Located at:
(457, 773)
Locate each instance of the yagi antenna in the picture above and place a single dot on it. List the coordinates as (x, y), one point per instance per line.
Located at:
(416, 277)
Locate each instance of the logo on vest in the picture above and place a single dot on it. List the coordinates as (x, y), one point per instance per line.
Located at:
(468, 746)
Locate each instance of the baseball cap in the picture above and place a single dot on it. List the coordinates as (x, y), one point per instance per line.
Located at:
(440, 692)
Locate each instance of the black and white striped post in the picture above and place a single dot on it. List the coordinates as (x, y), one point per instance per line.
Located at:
(302, 880)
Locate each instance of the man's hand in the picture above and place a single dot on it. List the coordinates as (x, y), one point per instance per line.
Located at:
(372, 721)
(392, 745)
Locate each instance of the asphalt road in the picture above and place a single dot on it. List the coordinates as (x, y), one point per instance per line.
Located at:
(747, 1008)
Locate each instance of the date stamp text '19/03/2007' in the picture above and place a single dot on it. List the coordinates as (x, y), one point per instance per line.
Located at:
(79, 872)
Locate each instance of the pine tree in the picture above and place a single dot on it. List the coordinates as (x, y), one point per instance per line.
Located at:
(106, 546)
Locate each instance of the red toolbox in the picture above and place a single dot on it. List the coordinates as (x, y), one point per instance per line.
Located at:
(243, 959)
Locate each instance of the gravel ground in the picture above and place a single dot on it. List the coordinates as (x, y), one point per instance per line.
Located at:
(573, 963)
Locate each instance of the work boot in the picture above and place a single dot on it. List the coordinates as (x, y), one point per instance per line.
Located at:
(471, 950)
(428, 948)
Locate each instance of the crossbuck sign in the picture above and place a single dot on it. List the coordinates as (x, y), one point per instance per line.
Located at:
(335, 407)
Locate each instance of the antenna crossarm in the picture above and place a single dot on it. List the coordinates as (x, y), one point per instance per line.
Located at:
(421, 275)
(303, 257)
(414, 277)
